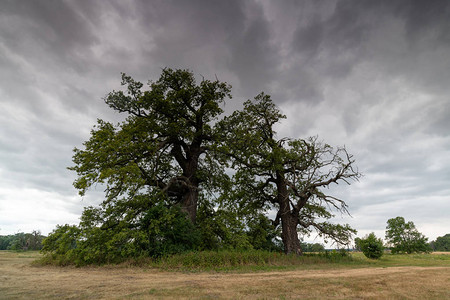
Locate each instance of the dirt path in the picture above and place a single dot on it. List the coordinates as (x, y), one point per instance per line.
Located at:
(20, 280)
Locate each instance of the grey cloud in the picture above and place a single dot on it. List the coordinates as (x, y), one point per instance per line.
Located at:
(47, 26)
(254, 59)
(331, 39)
(184, 34)
(372, 75)
(424, 17)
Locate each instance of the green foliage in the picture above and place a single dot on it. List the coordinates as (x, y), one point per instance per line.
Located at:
(6, 241)
(371, 246)
(286, 175)
(169, 231)
(233, 259)
(61, 240)
(166, 188)
(336, 255)
(227, 228)
(316, 247)
(22, 241)
(19, 242)
(442, 243)
(160, 153)
(404, 237)
(358, 244)
(263, 235)
(161, 231)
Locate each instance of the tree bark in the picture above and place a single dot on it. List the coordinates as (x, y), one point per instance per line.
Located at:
(190, 197)
(289, 234)
(289, 219)
(189, 203)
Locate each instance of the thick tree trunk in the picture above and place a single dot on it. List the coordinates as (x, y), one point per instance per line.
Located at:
(189, 203)
(289, 234)
(289, 219)
(190, 198)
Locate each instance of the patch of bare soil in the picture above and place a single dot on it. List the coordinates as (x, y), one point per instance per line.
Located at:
(20, 280)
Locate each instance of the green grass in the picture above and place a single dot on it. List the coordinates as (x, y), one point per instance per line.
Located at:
(245, 261)
(253, 260)
(398, 260)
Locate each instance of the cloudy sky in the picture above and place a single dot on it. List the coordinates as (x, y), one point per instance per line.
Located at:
(371, 75)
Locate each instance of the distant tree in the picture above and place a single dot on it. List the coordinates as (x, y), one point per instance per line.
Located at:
(358, 244)
(5, 241)
(19, 242)
(442, 243)
(403, 237)
(22, 241)
(35, 239)
(288, 175)
(315, 247)
(371, 246)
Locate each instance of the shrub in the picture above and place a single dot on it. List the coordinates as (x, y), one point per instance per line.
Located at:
(162, 231)
(371, 246)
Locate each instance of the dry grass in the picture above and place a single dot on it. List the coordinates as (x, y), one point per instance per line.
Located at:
(20, 280)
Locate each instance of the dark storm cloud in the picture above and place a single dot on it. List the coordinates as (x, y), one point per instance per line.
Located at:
(423, 17)
(253, 56)
(45, 43)
(210, 36)
(373, 75)
(54, 26)
(331, 38)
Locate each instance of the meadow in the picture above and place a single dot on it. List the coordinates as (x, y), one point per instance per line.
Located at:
(417, 276)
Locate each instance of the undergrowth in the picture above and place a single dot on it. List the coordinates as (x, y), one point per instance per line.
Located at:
(246, 260)
(220, 260)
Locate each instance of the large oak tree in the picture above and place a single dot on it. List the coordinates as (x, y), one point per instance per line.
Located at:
(169, 156)
(287, 175)
(160, 152)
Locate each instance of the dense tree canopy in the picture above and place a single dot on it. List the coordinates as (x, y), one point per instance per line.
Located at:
(403, 237)
(160, 153)
(178, 177)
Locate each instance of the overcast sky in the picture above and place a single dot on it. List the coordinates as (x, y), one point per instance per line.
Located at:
(371, 75)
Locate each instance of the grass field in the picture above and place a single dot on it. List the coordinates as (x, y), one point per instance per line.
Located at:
(392, 277)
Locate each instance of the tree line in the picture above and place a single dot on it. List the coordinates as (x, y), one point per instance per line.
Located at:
(179, 175)
(22, 241)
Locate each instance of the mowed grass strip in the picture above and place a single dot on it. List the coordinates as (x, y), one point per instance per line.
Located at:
(21, 280)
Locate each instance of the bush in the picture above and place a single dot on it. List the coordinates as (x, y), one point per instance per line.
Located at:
(316, 247)
(371, 246)
(161, 231)
(168, 231)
